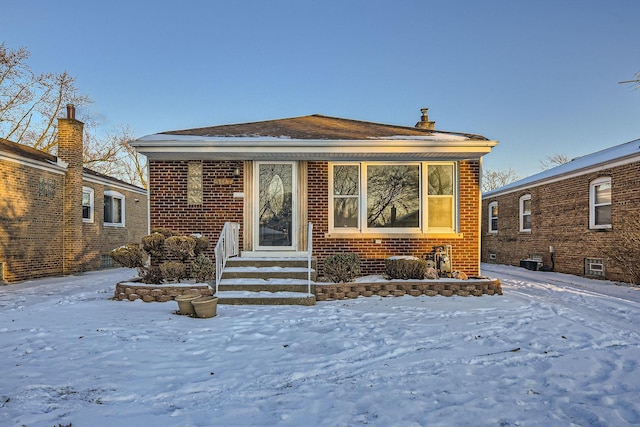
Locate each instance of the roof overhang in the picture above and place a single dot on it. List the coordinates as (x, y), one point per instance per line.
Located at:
(163, 147)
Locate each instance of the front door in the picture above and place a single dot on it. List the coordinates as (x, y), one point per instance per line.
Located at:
(276, 222)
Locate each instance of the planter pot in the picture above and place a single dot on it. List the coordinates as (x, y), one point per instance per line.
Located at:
(185, 305)
(205, 306)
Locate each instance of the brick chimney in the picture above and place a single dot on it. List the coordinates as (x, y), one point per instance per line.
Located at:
(424, 122)
(70, 150)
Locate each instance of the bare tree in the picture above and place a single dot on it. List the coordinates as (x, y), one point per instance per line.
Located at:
(635, 83)
(627, 249)
(113, 155)
(30, 104)
(554, 160)
(492, 179)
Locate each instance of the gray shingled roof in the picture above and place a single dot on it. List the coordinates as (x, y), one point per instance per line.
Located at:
(315, 127)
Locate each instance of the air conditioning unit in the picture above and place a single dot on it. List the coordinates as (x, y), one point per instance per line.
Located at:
(531, 264)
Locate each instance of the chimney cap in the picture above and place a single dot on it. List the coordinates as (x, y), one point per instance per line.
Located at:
(71, 111)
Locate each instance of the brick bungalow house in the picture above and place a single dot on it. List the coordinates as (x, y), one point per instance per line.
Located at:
(374, 189)
(570, 218)
(57, 217)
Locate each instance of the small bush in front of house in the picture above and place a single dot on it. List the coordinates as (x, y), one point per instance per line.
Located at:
(181, 247)
(173, 271)
(151, 275)
(166, 232)
(202, 268)
(130, 256)
(202, 243)
(153, 244)
(405, 268)
(343, 267)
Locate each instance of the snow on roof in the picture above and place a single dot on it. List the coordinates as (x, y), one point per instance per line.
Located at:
(629, 151)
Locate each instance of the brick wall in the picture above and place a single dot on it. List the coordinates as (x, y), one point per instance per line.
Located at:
(168, 198)
(169, 209)
(98, 239)
(31, 214)
(465, 251)
(41, 228)
(560, 218)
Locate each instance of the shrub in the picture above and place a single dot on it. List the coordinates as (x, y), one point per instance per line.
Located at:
(166, 232)
(181, 247)
(153, 244)
(342, 267)
(173, 270)
(202, 268)
(405, 268)
(130, 256)
(202, 243)
(151, 275)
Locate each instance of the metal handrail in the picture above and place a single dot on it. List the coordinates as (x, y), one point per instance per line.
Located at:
(309, 250)
(227, 246)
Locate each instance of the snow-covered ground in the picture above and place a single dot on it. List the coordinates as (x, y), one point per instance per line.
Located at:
(554, 350)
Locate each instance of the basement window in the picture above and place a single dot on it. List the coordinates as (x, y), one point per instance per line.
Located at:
(594, 267)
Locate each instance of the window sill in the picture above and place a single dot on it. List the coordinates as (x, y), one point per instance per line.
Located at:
(109, 224)
(451, 235)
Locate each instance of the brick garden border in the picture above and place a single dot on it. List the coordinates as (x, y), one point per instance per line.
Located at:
(131, 291)
(447, 288)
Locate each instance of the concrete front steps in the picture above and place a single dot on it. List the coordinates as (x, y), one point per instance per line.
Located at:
(267, 281)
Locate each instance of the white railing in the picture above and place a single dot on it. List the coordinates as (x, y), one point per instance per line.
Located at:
(309, 250)
(226, 247)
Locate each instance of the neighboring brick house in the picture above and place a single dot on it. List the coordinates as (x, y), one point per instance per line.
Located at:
(52, 210)
(374, 189)
(569, 218)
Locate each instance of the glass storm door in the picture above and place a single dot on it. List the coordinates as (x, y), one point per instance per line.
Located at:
(276, 204)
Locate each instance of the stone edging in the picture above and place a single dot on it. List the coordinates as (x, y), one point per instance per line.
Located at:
(414, 288)
(131, 291)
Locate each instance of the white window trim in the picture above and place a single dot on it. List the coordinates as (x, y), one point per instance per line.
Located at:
(116, 195)
(363, 229)
(91, 204)
(523, 213)
(593, 205)
(489, 215)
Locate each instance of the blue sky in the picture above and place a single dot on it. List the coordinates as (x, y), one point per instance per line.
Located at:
(539, 76)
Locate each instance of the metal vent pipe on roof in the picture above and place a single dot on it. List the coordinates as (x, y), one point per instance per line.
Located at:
(424, 122)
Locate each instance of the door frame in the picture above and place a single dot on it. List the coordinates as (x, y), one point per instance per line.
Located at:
(294, 207)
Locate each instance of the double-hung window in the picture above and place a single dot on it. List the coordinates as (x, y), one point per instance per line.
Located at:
(393, 197)
(87, 204)
(600, 203)
(493, 217)
(525, 213)
(113, 208)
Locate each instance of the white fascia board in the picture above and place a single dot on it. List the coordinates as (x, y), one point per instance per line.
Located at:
(59, 168)
(109, 183)
(288, 146)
